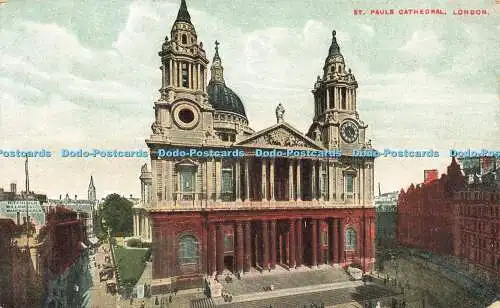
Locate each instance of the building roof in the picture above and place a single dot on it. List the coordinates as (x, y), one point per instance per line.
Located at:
(223, 98)
(183, 13)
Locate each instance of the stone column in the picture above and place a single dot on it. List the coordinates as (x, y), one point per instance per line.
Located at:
(190, 75)
(367, 240)
(331, 182)
(341, 98)
(174, 73)
(143, 192)
(321, 182)
(220, 249)
(314, 190)
(271, 179)
(210, 190)
(354, 98)
(273, 244)
(199, 77)
(293, 254)
(238, 181)
(320, 242)
(240, 244)
(248, 246)
(169, 171)
(247, 179)
(327, 98)
(171, 72)
(339, 189)
(341, 241)
(265, 240)
(337, 96)
(195, 76)
(135, 226)
(263, 180)
(314, 242)
(291, 187)
(299, 235)
(287, 247)
(212, 251)
(218, 178)
(299, 188)
(334, 247)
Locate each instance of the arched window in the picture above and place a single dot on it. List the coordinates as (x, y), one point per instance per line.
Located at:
(350, 239)
(188, 250)
(184, 39)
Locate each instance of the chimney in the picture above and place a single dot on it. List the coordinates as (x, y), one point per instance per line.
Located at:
(76, 197)
(13, 188)
(379, 189)
(60, 197)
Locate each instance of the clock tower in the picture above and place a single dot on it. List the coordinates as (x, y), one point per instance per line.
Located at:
(336, 123)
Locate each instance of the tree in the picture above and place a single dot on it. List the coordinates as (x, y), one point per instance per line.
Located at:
(117, 215)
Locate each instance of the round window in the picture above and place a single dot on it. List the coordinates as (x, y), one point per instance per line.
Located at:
(186, 116)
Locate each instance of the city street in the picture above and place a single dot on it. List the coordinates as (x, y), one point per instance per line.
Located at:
(99, 297)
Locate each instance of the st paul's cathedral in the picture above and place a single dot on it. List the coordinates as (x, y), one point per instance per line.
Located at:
(209, 215)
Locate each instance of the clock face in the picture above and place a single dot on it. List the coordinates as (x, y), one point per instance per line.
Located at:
(349, 131)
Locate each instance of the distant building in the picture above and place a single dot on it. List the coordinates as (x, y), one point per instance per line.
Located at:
(85, 208)
(481, 170)
(20, 211)
(385, 221)
(13, 195)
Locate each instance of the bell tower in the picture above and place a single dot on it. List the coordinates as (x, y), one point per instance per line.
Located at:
(336, 122)
(182, 113)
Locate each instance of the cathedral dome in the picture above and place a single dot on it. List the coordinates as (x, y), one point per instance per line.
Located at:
(222, 98)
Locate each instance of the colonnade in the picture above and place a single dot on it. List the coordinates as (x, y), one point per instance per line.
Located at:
(142, 226)
(266, 243)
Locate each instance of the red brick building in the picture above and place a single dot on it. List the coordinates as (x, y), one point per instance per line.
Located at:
(451, 217)
(61, 246)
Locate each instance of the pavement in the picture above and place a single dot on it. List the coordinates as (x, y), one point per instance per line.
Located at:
(342, 296)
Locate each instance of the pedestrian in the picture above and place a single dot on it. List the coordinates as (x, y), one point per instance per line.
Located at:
(142, 304)
(170, 298)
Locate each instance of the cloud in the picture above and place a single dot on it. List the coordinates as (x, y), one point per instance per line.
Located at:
(367, 29)
(423, 44)
(56, 90)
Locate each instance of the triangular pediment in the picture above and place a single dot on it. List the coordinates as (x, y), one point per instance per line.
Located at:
(281, 135)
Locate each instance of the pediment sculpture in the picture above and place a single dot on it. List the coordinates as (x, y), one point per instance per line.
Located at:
(280, 137)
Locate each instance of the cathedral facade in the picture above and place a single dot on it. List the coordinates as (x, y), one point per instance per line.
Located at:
(208, 214)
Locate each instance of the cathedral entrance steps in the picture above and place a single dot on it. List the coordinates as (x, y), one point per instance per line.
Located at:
(203, 303)
(291, 291)
(281, 278)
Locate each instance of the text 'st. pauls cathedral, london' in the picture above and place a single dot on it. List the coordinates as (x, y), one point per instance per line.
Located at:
(208, 215)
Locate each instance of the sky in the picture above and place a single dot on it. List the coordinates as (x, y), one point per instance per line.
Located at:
(85, 74)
